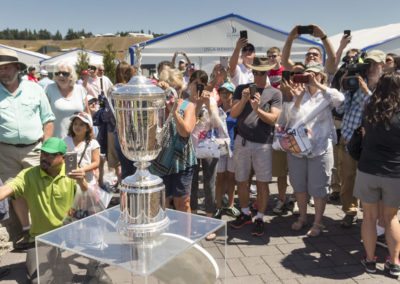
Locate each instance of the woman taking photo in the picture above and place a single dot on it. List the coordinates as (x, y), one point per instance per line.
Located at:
(378, 175)
(310, 172)
(66, 98)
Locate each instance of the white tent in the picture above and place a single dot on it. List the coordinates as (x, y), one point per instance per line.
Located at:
(207, 42)
(385, 38)
(70, 57)
(30, 58)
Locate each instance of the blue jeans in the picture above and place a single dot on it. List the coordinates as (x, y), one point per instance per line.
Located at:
(209, 167)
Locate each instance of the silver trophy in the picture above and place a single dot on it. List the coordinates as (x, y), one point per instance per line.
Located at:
(139, 112)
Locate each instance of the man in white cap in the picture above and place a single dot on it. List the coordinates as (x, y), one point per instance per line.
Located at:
(44, 79)
(26, 120)
(352, 109)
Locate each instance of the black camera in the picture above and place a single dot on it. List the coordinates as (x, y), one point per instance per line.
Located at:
(350, 82)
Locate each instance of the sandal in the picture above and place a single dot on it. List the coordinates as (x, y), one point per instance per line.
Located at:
(298, 225)
(211, 237)
(315, 230)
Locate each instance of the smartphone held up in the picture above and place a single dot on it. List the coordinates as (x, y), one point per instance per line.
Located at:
(308, 30)
(200, 89)
(71, 161)
(253, 90)
(301, 78)
(243, 34)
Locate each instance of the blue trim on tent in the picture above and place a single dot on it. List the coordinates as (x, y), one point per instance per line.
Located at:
(379, 43)
(19, 50)
(217, 20)
(86, 50)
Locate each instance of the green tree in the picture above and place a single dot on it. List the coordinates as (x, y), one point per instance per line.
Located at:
(109, 56)
(83, 60)
(57, 36)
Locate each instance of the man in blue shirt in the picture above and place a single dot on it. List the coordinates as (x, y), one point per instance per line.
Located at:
(26, 120)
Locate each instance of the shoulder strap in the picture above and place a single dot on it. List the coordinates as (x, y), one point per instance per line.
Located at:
(83, 153)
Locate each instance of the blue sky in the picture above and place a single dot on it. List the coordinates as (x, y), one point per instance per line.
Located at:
(166, 16)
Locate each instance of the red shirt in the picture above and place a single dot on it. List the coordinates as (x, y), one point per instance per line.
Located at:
(32, 78)
(275, 77)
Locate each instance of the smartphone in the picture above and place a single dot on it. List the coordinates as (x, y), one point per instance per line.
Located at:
(253, 90)
(347, 33)
(309, 30)
(301, 78)
(243, 34)
(200, 89)
(286, 75)
(71, 161)
(223, 60)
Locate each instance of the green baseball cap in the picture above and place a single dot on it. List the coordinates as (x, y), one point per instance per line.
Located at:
(54, 145)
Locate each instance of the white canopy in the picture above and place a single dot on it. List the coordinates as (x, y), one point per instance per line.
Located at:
(70, 57)
(30, 58)
(385, 38)
(207, 42)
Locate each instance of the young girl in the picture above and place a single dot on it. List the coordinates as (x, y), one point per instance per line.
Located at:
(81, 140)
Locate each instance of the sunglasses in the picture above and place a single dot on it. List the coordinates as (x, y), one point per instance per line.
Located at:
(92, 68)
(100, 70)
(272, 56)
(388, 60)
(259, 73)
(315, 54)
(63, 73)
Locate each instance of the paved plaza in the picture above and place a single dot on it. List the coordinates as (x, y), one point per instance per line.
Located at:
(280, 256)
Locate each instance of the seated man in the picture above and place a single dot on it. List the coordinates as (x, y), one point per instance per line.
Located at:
(48, 190)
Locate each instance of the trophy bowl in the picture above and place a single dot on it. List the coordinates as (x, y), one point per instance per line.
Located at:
(139, 109)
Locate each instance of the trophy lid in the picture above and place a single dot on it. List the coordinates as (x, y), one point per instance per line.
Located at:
(138, 87)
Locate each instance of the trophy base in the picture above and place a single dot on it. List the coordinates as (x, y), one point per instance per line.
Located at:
(144, 231)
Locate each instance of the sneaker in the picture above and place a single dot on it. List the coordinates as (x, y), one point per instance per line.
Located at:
(295, 210)
(280, 207)
(393, 269)
(311, 201)
(218, 213)
(241, 220)
(348, 221)
(369, 265)
(24, 242)
(232, 211)
(381, 241)
(258, 229)
(253, 189)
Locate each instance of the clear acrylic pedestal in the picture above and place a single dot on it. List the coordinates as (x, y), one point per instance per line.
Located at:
(92, 251)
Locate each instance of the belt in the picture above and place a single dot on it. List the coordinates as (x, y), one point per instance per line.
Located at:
(22, 145)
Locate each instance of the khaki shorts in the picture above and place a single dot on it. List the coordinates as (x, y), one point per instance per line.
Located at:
(225, 164)
(279, 164)
(112, 156)
(311, 175)
(372, 189)
(14, 159)
(251, 154)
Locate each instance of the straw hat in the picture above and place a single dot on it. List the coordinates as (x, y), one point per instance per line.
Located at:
(8, 56)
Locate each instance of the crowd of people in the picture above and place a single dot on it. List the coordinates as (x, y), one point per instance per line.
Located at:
(260, 117)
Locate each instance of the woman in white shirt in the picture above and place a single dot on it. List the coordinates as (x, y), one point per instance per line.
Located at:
(65, 98)
(310, 173)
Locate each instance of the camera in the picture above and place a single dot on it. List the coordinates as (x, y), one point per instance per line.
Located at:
(347, 33)
(305, 30)
(350, 82)
(301, 78)
(200, 89)
(253, 90)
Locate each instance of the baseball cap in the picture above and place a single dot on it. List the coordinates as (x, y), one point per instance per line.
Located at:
(227, 86)
(85, 117)
(318, 68)
(54, 145)
(375, 55)
(44, 72)
(91, 99)
(182, 61)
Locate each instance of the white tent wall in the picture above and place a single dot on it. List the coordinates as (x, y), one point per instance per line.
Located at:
(207, 42)
(70, 57)
(385, 38)
(30, 58)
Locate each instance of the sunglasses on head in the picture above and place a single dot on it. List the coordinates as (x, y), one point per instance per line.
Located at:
(259, 73)
(63, 73)
(315, 54)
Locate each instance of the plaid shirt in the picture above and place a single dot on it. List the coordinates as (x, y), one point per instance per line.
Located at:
(353, 109)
